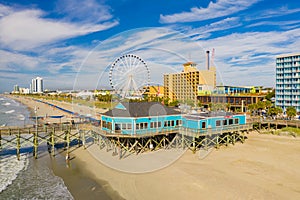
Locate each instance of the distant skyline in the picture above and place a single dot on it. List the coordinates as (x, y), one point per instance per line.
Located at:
(70, 43)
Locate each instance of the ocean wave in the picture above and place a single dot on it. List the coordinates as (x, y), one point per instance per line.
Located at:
(21, 117)
(6, 104)
(10, 111)
(2, 99)
(10, 168)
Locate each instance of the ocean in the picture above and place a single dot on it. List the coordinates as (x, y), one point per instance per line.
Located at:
(32, 178)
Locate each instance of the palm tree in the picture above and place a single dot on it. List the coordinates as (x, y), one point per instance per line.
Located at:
(274, 111)
(291, 112)
(253, 108)
(268, 104)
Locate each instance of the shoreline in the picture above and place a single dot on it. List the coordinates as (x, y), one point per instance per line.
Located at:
(79, 182)
(264, 167)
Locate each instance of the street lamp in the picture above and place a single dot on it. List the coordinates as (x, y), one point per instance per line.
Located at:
(36, 133)
(35, 112)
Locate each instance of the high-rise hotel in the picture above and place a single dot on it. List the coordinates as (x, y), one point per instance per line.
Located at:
(184, 85)
(288, 81)
(37, 85)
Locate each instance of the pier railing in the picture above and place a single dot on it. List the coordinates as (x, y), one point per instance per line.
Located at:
(34, 136)
(63, 134)
(212, 131)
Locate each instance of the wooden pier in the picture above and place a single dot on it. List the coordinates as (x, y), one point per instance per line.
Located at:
(178, 137)
(120, 144)
(34, 136)
(260, 123)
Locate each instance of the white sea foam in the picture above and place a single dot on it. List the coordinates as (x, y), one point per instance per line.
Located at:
(2, 99)
(21, 117)
(10, 168)
(6, 104)
(10, 111)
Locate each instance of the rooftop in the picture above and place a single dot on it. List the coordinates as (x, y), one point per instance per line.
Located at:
(141, 109)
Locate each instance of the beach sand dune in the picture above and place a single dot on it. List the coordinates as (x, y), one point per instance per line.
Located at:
(264, 167)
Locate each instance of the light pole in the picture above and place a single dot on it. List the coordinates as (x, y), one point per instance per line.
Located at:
(36, 133)
(35, 112)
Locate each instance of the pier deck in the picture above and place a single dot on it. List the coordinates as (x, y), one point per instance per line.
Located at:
(33, 136)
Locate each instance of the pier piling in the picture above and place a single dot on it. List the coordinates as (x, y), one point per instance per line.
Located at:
(18, 145)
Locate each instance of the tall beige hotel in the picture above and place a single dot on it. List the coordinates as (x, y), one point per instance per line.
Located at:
(184, 86)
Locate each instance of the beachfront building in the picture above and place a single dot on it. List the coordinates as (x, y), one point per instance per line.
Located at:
(138, 118)
(154, 91)
(37, 85)
(143, 126)
(24, 91)
(235, 98)
(16, 89)
(288, 81)
(183, 86)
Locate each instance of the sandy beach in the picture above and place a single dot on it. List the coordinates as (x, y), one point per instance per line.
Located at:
(264, 167)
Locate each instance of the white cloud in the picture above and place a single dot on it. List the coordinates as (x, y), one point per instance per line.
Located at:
(205, 31)
(283, 24)
(271, 13)
(240, 58)
(214, 10)
(28, 29)
(10, 59)
(249, 58)
(87, 10)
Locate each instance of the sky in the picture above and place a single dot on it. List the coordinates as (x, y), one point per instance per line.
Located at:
(72, 44)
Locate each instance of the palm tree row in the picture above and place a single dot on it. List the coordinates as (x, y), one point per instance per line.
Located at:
(266, 107)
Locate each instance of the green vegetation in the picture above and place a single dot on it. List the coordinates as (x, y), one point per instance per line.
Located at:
(291, 112)
(291, 130)
(288, 131)
(270, 95)
(274, 111)
(257, 108)
(219, 106)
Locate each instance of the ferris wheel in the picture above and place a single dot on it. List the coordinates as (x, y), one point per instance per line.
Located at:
(128, 76)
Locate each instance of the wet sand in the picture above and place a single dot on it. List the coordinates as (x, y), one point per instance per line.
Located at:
(264, 167)
(80, 182)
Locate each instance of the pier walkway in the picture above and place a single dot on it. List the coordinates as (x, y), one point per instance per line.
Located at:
(35, 136)
(64, 135)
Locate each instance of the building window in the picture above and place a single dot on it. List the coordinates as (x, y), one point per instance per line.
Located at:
(225, 122)
(104, 124)
(178, 122)
(142, 125)
(155, 124)
(172, 123)
(169, 123)
(117, 127)
(218, 123)
(125, 126)
(203, 124)
(109, 125)
(236, 121)
(230, 121)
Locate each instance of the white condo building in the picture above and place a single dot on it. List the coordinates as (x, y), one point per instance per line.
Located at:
(37, 85)
(288, 81)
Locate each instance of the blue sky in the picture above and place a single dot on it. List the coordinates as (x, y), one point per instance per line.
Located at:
(71, 43)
